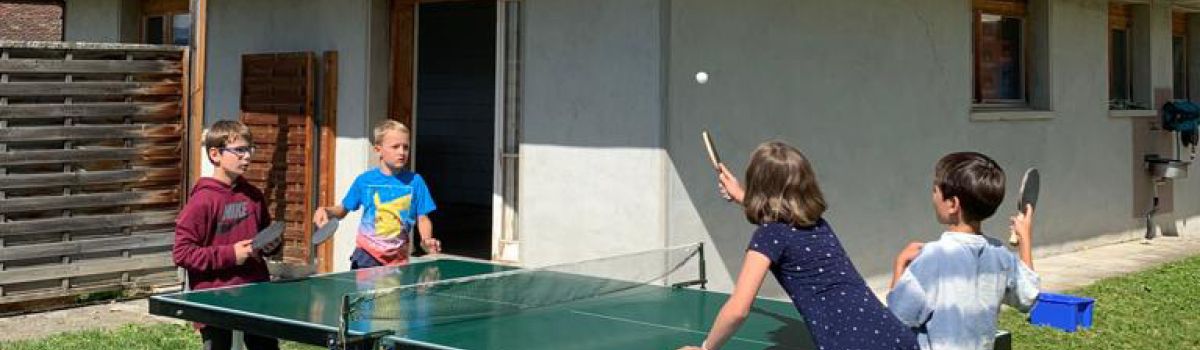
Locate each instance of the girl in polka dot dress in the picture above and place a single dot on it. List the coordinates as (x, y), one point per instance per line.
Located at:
(799, 248)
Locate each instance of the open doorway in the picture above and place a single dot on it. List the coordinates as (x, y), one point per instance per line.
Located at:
(455, 120)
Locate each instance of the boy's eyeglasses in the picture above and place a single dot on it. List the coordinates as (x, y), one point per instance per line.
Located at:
(239, 151)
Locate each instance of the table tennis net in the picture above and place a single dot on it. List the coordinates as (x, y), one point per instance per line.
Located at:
(493, 294)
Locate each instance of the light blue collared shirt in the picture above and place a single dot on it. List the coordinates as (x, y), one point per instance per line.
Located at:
(951, 293)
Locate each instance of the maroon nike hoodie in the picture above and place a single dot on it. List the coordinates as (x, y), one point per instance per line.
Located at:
(217, 216)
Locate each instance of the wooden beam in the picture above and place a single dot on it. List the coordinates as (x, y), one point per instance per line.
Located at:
(1179, 23)
(274, 108)
(89, 110)
(90, 132)
(90, 66)
(86, 268)
(196, 79)
(271, 120)
(154, 7)
(86, 222)
(84, 178)
(44, 294)
(115, 47)
(264, 136)
(325, 181)
(1015, 8)
(10, 205)
(87, 155)
(403, 27)
(90, 89)
(1119, 16)
(139, 240)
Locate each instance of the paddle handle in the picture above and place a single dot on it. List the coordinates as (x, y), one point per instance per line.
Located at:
(711, 150)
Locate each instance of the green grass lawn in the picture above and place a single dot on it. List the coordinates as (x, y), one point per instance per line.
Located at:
(140, 337)
(1155, 309)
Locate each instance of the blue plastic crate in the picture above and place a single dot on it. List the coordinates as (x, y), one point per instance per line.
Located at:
(1065, 312)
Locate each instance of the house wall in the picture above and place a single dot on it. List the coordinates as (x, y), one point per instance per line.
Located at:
(357, 30)
(874, 92)
(102, 21)
(592, 167)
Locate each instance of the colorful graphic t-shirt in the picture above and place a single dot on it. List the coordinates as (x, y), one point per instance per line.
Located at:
(391, 205)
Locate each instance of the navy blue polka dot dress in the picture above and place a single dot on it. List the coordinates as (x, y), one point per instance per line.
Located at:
(839, 309)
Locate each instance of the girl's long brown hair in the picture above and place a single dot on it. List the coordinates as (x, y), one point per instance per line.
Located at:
(782, 187)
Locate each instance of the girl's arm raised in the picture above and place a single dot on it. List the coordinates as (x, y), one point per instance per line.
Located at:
(754, 269)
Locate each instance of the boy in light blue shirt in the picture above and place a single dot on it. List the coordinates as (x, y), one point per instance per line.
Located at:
(950, 290)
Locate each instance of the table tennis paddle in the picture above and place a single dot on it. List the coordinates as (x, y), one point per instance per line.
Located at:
(324, 232)
(267, 235)
(712, 150)
(1028, 195)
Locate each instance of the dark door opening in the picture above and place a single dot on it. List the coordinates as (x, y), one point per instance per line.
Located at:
(456, 120)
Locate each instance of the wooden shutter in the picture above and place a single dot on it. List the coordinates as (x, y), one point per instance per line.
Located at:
(1119, 16)
(277, 104)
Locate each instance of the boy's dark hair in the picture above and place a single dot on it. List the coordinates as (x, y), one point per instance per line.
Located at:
(977, 181)
(782, 187)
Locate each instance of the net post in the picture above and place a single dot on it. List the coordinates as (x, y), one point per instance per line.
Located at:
(703, 273)
(343, 325)
(702, 277)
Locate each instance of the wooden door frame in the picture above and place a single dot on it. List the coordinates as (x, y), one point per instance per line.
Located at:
(403, 23)
(196, 90)
(327, 152)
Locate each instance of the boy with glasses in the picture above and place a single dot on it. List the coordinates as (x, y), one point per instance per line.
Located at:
(214, 230)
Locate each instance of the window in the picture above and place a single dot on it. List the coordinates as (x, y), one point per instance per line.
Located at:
(1000, 47)
(1120, 84)
(171, 29)
(152, 30)
(181, 29)
(1179, 54)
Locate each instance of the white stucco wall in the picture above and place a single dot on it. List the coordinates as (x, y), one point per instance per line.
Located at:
(592, 162)
(357, 30)
(98, 21)
(874, 92)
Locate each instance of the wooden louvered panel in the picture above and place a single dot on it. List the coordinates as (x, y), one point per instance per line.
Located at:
(277, 105)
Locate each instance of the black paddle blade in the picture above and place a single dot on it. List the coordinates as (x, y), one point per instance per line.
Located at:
(267, 235)
(324, 232)
(1029, 190)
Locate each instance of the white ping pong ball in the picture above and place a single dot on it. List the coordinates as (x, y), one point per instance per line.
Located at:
(701, 77)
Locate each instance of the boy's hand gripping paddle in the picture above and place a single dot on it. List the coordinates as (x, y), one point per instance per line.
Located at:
(324, 232)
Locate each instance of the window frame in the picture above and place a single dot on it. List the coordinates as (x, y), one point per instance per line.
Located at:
(1128, 65)
(168, 29)
(1005, 9)
(1179, 32)
(1120, 19)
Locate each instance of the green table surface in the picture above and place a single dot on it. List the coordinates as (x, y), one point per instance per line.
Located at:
(644, 317)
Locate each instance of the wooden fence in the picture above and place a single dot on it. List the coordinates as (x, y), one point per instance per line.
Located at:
(92, 167)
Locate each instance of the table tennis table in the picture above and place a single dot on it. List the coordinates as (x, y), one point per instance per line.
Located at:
(311, 311)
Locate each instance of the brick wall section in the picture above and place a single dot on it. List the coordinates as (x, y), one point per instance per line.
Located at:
(40, 20)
